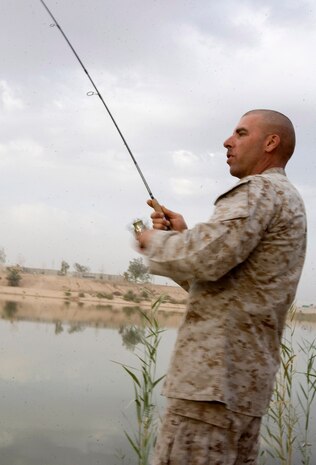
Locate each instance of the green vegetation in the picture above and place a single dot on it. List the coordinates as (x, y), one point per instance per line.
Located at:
(171, 300)
(137, 271)
(145, 294)
(64, 267)
(131, 296)
(286, 427)
(104, 295)
(144, 381)
(14, 275)
(80, 268)
(287, 423)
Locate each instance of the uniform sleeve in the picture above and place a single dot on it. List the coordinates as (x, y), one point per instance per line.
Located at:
(211, 249)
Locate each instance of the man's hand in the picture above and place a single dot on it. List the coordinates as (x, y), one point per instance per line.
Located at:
(143, 238)
(167, 220)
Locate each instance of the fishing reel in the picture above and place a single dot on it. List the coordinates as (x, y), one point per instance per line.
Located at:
(138, 226)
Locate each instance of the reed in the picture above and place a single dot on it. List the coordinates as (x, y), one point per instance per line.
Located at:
(307, 397)
(286, 426)
(144, 381)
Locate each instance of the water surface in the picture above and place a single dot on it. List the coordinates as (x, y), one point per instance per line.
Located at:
(63, 399)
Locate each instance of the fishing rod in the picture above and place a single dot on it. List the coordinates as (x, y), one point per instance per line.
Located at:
(155, 204)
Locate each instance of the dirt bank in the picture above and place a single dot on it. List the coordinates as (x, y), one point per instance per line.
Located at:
(77, 289)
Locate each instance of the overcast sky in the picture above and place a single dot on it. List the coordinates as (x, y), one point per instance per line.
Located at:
(177, 75)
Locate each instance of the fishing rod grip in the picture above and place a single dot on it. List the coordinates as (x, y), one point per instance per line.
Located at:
(157, 207)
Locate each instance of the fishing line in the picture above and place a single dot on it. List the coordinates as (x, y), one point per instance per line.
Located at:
(97, 92)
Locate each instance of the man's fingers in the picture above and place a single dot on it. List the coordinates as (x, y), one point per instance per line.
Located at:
(160, 217)
(157, 216)
(161, 224)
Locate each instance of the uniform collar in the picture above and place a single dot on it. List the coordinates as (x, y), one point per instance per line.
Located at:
(277, 170)
(247, 179)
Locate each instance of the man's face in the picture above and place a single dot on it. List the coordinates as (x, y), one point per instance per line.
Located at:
(246, 147)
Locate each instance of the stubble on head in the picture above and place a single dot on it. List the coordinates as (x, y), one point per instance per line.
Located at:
(274, 122)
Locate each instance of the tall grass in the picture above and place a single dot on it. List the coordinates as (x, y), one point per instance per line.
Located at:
(281, 420)
(286, 427)
(307, 397)
(144, 381)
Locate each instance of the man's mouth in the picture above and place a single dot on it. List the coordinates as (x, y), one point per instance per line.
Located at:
(229, 157)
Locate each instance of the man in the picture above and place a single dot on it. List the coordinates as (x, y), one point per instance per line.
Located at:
(241, 269)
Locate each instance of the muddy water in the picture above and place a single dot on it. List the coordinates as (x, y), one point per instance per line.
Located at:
(63, 400)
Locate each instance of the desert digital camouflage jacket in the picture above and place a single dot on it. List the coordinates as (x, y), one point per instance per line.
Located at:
(243, 266)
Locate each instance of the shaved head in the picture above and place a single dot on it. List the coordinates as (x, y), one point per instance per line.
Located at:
(277, 123)
(262, 139)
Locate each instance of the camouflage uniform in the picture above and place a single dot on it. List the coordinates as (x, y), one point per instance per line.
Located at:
(206, 433)
(242, 268)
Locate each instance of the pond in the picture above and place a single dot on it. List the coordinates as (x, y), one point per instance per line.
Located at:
(64, 400)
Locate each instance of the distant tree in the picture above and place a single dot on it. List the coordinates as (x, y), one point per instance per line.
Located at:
(14, 275)
(137, 271)
(81, 268)
(64, 267)
(2, 256)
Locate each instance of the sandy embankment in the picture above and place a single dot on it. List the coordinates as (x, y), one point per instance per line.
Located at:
(73, 299)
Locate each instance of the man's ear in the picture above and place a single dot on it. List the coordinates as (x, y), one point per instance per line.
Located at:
(272, 142)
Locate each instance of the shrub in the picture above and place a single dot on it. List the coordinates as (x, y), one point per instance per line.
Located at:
(14, 275)
(104, 295)
(145, 294)
(131, 296)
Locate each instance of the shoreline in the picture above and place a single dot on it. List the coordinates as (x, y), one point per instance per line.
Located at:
(80, 302)
(76, 299)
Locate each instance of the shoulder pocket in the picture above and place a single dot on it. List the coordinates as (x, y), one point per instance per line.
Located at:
(233, 204)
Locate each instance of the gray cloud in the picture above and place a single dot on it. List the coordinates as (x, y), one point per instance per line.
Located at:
(177, 76)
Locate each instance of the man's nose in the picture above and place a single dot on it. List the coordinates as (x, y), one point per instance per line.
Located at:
(228, 143)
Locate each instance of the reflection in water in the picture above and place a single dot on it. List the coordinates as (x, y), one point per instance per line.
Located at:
(98, 315)
(73, 328)
(76, 328)
(63, 400)
(104, 307)
(10, 310)
(131, 336)
(128, 311)
(306, 317)
(58, 327)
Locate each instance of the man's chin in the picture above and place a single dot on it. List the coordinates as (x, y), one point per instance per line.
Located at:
(234, 172)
